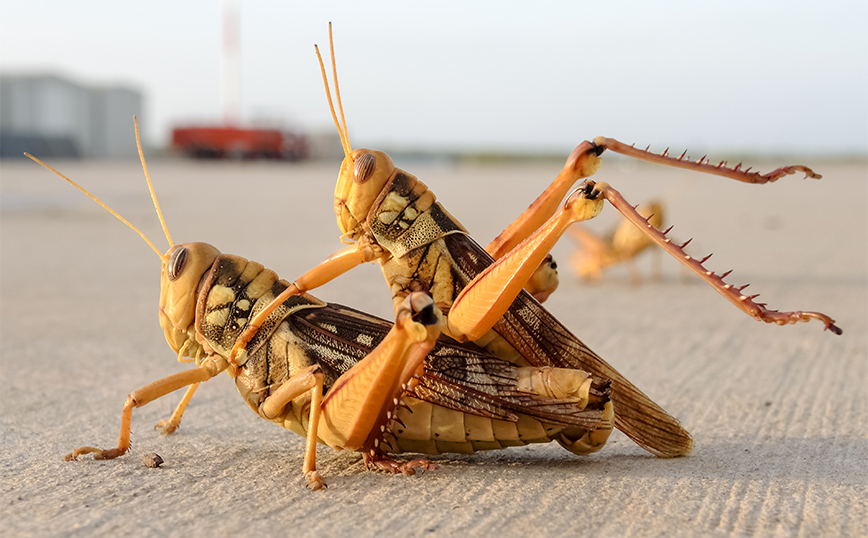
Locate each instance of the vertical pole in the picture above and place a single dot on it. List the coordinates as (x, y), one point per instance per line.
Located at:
(231, 64)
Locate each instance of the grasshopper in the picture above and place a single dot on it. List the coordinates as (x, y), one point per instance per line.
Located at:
(622, 245)
(338, 376)
(389, 216)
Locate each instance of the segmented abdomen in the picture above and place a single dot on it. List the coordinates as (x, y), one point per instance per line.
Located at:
(432, 429)
(467, 400)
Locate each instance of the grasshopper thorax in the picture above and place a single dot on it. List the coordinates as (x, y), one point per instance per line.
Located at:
(363, 175)
(181, 275)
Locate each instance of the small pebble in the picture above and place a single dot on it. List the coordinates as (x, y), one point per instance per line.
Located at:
(152, 460)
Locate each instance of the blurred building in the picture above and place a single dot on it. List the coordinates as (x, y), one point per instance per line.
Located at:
(53, 116)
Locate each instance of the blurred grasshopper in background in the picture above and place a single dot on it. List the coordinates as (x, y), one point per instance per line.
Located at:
(389, 216)
(622, 245)
(338, 376)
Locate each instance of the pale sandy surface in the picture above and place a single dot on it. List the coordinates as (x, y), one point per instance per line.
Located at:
(779, 415)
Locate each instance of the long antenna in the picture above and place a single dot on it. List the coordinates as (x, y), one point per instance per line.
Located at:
(151, 185)
(345, 142)
(338, 88)
(162, 256)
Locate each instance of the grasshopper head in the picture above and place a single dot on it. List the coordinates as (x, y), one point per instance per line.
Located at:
(363, 175)
(181, 274)
(182, 270)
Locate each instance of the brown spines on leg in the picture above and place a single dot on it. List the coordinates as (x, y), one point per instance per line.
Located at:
(703, 165)
(745, 303)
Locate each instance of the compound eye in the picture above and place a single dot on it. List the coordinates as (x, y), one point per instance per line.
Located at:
(364, 167)
(176, 264)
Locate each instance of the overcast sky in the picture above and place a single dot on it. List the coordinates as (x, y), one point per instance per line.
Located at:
(783, 76)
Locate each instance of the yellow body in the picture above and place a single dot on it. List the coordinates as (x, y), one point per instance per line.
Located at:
(231, 290)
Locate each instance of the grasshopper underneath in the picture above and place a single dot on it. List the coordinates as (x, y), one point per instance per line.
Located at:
(338, 376)
(391, 217)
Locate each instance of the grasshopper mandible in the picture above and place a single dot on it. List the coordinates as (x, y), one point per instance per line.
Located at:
(391, 217)
(341, 377)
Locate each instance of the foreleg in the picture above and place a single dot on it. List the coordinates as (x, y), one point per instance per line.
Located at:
(145, 395)
(337, 264)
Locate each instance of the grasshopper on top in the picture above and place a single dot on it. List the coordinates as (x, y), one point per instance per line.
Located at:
(389, 216)
(366, 199)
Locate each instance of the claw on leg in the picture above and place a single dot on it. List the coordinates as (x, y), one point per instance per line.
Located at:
(381, 462)
(98, 454)
(314, 480)
(166, 427)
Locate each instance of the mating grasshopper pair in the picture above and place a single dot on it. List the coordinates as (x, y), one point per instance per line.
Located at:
(429, 394)
(472, 362)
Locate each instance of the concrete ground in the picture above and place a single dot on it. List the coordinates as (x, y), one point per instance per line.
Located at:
(779, 414)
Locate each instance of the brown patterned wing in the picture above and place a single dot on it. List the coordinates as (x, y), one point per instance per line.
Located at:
(544, 341)
(457, 376)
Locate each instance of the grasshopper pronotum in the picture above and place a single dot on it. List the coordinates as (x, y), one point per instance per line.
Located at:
(391, 217)
(350, 380)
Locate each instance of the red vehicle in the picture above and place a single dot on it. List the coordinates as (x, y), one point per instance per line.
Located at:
(235, 143)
